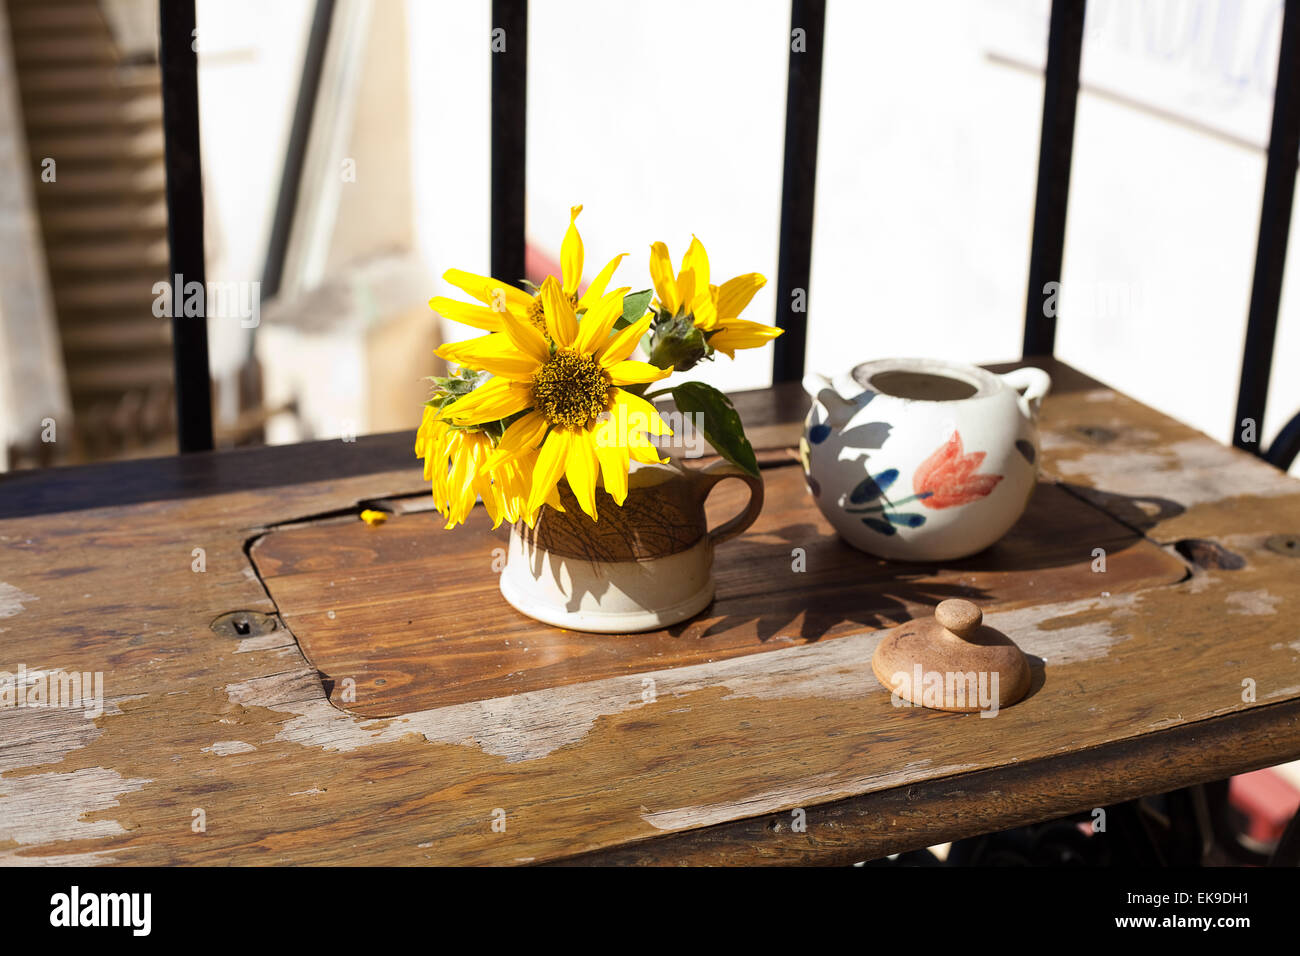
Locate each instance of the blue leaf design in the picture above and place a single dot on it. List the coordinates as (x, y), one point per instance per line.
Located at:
(871, 488)
(875, 524)
(905, 518)
(819, 433)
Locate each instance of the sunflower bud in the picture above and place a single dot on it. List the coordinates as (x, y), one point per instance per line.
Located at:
(676, 343)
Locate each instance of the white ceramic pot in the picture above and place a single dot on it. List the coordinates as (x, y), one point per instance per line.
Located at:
(922, 460)
(639, 567)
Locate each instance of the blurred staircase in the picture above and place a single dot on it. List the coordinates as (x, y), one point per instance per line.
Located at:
(97, 113)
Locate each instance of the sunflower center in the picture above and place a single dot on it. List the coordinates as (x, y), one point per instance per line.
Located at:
(537, 316)
(571, 389)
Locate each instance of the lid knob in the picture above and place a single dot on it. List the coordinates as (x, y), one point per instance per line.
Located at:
(959, 616)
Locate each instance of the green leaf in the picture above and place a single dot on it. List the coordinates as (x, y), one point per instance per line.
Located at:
(634, 306)
(722, 425)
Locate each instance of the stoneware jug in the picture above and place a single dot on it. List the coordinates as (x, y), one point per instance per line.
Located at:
(922, 460)
(644, 565)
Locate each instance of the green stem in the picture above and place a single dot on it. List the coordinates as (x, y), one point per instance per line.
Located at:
(656, 393)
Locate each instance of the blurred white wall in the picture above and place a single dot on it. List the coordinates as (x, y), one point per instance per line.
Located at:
(666, 118)
(250, 61)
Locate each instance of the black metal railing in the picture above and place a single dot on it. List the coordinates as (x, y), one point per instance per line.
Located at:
(1055, 151)
(178, 64)
(509, 135)
(808, 19)
(295, 157)
(1270, 254)
(798, 186)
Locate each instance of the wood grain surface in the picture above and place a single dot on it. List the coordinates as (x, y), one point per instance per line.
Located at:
(384, 606)
(221, 746)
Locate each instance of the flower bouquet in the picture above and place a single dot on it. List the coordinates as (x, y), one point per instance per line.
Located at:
(550, 413)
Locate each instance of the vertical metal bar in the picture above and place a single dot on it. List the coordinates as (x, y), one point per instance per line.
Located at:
(180, 95)
(286, 201)
(509, 136)
(1286, 445)
(1056, 146)
(1274, 224)
(798, 186)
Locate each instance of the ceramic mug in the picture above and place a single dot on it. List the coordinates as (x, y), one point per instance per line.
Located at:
(644, 565)
(922, 460)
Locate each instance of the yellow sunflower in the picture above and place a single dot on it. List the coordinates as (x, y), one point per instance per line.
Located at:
(715, 309)
(501, 298)
(456, 465)
(573, 413)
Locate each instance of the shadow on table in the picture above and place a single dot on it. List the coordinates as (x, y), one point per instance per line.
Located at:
(1046, 557)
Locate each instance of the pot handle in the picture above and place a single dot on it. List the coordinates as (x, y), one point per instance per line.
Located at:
(838, 408)
(1032, 384)
(716, 472)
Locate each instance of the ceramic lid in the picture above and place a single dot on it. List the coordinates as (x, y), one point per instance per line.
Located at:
(930, 662)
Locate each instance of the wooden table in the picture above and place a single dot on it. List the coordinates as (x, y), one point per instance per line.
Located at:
(220, 742)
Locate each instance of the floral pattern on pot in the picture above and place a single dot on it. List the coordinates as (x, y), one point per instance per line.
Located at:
(944, 480)
(884, 518)
(947, 477)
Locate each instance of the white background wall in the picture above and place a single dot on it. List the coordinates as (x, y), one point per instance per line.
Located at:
(250, 62)
(665, 117)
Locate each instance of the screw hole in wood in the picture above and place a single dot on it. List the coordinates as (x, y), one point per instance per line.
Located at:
(242, 624)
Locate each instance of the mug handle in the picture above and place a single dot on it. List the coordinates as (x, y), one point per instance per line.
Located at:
(1032, 384)
(716, 472)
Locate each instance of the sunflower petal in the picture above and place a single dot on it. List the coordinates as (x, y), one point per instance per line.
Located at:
(696, 261)
(525, 337)
(693, 280)
(736, 334)
(581, 470)
(636, 373)
(736, 293)
(596, 325)
(661, 274)
(514, 365)
(704, 313)
(464, 352)
(561, 322)
(493, 501)
(549, 468)
(641, 449)
(598, 284)
(553, 499)
(571, 253)
(495, 294)
(476, 316)
(465, 466)
(522, 436)
(618, 348)
(636, 415)
(424, 435)
(613, 456)
(496, 398)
